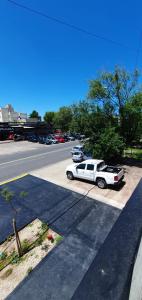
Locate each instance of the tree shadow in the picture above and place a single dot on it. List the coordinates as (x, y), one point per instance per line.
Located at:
(132, 162)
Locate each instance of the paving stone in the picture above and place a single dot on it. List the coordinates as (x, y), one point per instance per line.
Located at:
(71, 217)
(96, 224)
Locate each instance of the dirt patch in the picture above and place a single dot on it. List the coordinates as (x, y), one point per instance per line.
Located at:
(37, 241)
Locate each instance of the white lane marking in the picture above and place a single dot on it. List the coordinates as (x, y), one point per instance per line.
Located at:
(34, 156)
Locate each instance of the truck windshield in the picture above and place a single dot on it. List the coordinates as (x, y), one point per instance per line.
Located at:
(100, 166)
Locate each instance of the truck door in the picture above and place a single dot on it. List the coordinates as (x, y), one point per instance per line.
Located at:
(80, 170)
(89, 172)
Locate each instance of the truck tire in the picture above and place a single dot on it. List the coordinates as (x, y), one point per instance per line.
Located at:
(101, 183)
(70, 176)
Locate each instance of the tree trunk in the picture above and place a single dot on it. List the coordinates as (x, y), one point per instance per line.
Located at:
(18, 243)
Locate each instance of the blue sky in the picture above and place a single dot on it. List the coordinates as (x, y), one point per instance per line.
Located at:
(45, 65)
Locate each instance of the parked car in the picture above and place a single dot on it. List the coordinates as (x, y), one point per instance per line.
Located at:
(82, 136)
(53, 141)
(18, 137)
(41, 140)
(66, 138)
(47, 141)
(71, 138)
(77, 148)
(11, 136)
(60, 139)
(96, 171)
(77, 136)
(78, 156)
(32, 138)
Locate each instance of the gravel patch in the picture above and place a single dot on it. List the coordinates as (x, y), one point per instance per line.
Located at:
(13, 274)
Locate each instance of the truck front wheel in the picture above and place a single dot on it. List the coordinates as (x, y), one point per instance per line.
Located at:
(101, 183)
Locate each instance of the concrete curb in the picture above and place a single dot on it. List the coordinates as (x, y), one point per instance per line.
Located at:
(13, 179)
(6, 142)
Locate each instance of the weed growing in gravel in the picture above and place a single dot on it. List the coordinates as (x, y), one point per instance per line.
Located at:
(29, 270)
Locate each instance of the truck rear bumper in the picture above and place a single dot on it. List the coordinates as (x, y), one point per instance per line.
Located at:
(120, 180)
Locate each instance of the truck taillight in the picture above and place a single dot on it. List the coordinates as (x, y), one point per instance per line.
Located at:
(115, 178)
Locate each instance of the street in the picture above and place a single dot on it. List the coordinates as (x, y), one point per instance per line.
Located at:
(12, 165)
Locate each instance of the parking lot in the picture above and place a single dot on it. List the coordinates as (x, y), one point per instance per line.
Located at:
(114, 196)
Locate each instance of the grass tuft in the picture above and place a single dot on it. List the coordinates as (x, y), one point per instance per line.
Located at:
(29, 270)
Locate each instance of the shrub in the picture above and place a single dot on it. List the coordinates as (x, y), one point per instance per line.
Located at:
(3, 255)
(25, 245)
(44, 226)
(58, 239)
(109, 146)
(29, 270)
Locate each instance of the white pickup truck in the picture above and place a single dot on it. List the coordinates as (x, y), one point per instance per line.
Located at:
(97, 171)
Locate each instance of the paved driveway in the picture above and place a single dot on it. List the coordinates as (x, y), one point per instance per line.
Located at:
(113, 196)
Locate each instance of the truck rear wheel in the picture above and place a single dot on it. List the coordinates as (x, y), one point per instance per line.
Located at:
(70, 176)
(101, 183)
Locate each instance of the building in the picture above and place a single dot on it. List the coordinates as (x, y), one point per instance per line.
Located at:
(7, 114)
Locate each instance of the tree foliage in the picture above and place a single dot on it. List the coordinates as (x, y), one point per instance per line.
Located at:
(80, 117)
(111, 116)
(63, 118)
(34, 115)
(109, 145)
(133, 119)
(119, 96)
(49, 118)
(114, 88)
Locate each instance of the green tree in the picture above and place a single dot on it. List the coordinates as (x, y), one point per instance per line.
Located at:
(133, 119)
(109, 145)
(114, 88)
(63, 118)
(34, 114)
(8, 196)
(49, 118)
(81, 113)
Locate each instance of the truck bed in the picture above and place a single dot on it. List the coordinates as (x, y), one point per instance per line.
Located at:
(110, 169)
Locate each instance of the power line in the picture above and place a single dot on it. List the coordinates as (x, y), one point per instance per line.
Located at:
(61, 22)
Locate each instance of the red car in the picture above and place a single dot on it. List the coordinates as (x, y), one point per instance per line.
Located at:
(11, 136)
(60, 139)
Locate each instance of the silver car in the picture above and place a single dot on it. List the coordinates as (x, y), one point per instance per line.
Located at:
(77, 148)
(79, 156)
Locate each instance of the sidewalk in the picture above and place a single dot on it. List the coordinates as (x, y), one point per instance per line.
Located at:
(6, 142)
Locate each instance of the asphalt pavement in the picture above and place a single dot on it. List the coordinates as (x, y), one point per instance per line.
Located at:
(15, 164)
(84, 224)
